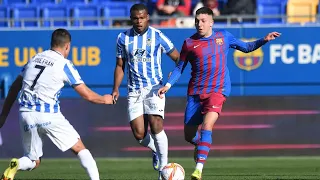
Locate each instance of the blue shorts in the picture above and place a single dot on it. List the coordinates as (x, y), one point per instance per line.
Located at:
(192, 114)
(198, 105)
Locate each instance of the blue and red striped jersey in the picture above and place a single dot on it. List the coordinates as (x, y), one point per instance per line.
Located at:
(208, 59)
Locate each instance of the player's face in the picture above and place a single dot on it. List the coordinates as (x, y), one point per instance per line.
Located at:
(204, 23)
(140, 20)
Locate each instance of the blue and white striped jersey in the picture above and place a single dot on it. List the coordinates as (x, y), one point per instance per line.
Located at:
(43, 78)
(142, 53)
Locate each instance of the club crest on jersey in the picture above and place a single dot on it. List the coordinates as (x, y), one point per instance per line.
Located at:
(148, 42)
(219, 41)
(248, 61)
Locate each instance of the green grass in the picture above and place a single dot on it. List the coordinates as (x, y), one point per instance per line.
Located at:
(216, 168)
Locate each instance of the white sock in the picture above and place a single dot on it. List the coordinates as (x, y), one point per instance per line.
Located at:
(89, 164)
(25, 164)
(199, 166)
(161, 143)
(148, 142)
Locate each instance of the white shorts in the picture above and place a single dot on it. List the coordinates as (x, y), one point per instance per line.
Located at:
(35, 125)
(145, 101)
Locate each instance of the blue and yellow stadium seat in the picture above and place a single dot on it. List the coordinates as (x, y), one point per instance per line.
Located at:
(271, 8)
(25, 15)
(55, 11)
(86, 11)
(307, 8)
(4, 14)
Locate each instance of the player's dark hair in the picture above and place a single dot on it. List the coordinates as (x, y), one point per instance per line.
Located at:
(204, 10)
(138, 7)
(60, 37)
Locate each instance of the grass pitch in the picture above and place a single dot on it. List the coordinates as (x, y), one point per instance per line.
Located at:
(269, 168)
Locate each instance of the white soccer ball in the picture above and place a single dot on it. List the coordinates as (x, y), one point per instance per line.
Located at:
(173, 171)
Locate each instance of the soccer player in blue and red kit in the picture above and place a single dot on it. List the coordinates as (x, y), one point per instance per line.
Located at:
(207, 52)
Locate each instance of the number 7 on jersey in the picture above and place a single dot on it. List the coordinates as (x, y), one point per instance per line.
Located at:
(38, 75)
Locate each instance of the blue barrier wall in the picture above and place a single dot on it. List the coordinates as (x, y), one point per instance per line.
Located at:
(286, 66)
(248, 126)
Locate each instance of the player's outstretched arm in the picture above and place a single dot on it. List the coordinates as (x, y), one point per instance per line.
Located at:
(118, 76)
(271, 36)
(174, 55)
(247, 47)
(175, 75)
(178, 70)
(12, 96)
(89, 95)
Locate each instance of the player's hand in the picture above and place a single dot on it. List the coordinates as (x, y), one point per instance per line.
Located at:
(2, 120)
(162, 91)
(272, 36)
(108, 99)
(115, 95)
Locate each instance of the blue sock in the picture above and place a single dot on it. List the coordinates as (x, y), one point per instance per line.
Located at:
(204, 146)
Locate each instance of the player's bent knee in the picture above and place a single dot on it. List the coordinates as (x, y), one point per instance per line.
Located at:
(138, 128)
(79, 146)
(156, 123)
(139, 132)
(188, 138)
(139, 135)
(190, 132)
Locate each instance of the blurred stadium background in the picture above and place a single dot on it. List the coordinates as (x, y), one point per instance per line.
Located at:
(274, 105)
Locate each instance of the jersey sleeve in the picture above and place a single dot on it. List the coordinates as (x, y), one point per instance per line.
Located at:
(184, 52)
(178, 70)
(166, 44)
(120, 49)
(25, 66)
(72, 75)
(23, 70)
(244, 46)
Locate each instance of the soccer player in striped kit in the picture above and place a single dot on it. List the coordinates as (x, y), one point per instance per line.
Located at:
(140, 49)
(207, 52)
(40, 84)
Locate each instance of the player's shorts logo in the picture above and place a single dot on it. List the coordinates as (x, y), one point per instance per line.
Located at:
(248, 61)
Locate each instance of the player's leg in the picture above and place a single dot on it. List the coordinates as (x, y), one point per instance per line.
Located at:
(32, 141)
(86, 159)
(32, 145)
(160, 139)
(192, 119)
(65, 137)
(205, 142)
(211, 108)
(139, 128)
(139, 125)
(154, 106)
